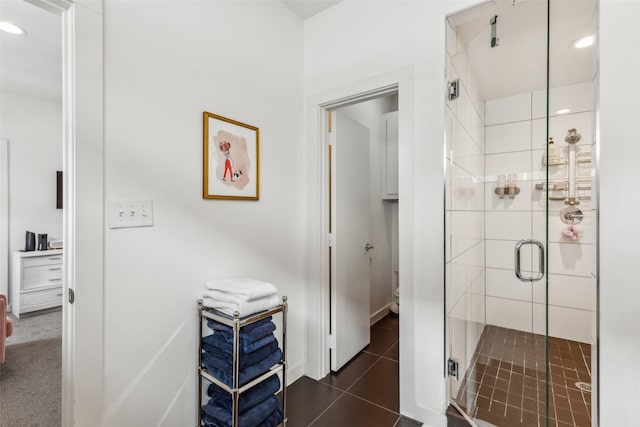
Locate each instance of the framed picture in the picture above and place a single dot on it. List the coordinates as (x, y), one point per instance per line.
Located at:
(231, 159)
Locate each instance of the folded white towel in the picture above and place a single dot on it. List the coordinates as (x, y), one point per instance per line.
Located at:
(248, 289)
(242, 306)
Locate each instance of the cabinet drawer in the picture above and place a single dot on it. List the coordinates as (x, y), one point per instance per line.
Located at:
(42, 260)
(43, 275)
(40, 300)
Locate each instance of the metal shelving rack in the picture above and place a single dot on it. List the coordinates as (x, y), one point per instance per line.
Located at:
(236, 322)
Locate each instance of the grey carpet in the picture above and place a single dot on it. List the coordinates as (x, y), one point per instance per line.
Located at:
(36, 326)
(31, 383)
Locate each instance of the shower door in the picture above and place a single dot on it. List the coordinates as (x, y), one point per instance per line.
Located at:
(519, 290)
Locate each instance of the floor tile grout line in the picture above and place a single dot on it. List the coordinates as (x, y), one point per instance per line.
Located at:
(384, 327)
(373, 403)
(326, 409)
(397, 421)
(363, 374)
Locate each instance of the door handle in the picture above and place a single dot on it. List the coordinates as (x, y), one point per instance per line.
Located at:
(517, 267)
(368, 247)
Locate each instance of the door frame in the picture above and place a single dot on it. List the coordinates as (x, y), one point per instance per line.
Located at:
(401, 82)
(83, 208)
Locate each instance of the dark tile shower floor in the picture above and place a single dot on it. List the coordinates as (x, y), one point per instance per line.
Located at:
(364, 393)
(505, 384)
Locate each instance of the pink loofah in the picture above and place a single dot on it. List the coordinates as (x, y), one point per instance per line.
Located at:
(571, 233)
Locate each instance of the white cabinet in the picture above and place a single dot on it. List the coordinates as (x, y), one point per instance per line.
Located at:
(36, 281)
(390, 156)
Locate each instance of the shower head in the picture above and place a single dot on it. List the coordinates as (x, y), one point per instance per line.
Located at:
(572, 136)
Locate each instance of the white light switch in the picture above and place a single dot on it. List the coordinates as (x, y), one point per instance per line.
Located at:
(130, 213)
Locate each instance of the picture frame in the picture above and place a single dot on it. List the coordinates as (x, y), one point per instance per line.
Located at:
(231, 159)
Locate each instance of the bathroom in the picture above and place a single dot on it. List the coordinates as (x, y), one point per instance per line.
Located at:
(521, 210)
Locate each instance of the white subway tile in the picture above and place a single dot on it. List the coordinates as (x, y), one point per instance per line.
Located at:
(508, 225)
(467, 192)
(508, 163)
(570, 259)
(567, 291)
(578, 98)
(510, 314)
(567, 323)
(539, 319)
(467, 230)
(508, 137)
(476, 302)
(507, 110)
(500, 254)
(559, 127)
(466, 153)
(505, 284)
(556, 227)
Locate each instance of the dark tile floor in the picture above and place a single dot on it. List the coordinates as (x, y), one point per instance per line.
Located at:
(364, 393)
(506, 384)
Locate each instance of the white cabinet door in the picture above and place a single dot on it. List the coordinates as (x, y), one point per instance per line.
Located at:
(390, 151)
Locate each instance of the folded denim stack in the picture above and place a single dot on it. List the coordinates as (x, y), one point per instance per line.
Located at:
(246, 296)
(258, 352)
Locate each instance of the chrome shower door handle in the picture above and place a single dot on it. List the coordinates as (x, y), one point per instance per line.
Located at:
(517, 267)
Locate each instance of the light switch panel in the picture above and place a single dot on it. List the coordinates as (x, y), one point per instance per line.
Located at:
(130, 213)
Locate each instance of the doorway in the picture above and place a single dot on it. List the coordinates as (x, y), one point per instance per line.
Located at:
(82, 92)
(363, 222)
(362, 202)
(32, 273)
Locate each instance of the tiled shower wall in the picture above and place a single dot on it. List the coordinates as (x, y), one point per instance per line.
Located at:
(464, 210)
(515, 139)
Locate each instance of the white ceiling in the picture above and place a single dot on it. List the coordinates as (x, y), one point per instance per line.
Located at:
(31, 65)
(518, 64)
(307, 8)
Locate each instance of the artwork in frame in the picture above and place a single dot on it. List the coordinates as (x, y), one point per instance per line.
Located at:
(231, 159)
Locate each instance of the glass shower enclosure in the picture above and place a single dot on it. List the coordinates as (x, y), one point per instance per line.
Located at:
(521, 213)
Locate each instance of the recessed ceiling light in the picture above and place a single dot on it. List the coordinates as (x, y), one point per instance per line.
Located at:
(583, 42)
(10, 28)
(563, 111)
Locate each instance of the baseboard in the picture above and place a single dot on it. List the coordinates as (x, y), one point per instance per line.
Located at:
(375, 317)
(294, 372)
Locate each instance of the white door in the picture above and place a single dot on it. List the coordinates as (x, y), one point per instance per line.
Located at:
(350, 281)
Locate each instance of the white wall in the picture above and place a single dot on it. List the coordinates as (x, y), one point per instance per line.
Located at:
(619, 154)
(165, 63)
(353, 41)
(34, 130)
(369, 114)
